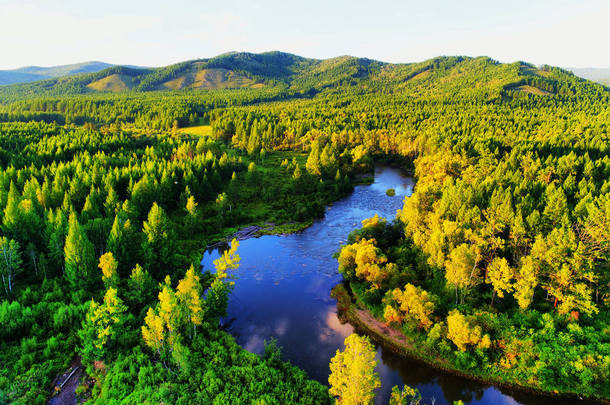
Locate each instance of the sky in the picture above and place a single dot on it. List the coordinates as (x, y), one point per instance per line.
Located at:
(157, 33)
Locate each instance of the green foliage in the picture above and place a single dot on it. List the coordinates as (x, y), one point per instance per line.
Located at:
(511, 212)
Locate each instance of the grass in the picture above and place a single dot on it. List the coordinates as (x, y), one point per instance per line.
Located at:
(200, 130)
(113, 83)
(531, 90)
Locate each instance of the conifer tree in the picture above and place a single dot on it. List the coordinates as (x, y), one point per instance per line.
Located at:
(79, 256)
(159, 242)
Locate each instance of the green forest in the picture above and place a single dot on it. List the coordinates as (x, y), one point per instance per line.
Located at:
(113, 183)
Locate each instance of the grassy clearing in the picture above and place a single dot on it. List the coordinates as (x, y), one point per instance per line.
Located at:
(200, 130)
(113, 83)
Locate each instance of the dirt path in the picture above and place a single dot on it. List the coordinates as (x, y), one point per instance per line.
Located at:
(67, 384)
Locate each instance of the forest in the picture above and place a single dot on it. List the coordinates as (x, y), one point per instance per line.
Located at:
(497, 264)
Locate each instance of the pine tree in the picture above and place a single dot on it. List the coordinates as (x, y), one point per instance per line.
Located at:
(79, 256)
(10, 221)
(313, 165)
(159, 242)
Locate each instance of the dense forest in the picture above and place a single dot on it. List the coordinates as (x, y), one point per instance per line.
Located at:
(498, 263)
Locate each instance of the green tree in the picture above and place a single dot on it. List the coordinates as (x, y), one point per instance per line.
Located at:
(79, 256)
(10, 263)
(160, 240)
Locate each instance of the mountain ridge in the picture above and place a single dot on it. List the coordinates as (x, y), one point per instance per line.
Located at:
(444, 76)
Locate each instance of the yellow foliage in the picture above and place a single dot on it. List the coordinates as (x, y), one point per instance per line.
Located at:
(191, 206)
(153, 330)
(391, 315)
(527, 279)
(228, 261)
(105, 316)
(373, 221)
(189, 294)
(415, 303)
(500, 276)
(462, 333)
(369, 265)
(108, 265)
(352, 372)
(461, 266)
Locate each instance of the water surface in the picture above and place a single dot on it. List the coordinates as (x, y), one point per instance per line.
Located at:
(283, 291)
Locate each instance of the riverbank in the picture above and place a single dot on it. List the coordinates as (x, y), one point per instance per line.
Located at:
(397, 342)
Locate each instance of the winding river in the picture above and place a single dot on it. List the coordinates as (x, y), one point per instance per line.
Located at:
(283, 291)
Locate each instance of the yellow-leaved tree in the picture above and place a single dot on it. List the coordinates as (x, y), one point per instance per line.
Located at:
(161, 329)
(500, 275)
(365, 261)
(218, 293)
(353, 378)
(179, 312)
(109, 265)
(462, 332)
(461, 268)
(414, 304)
(189, 293)
(373, 221)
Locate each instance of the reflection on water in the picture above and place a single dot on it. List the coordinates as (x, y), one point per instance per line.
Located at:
(283, 291)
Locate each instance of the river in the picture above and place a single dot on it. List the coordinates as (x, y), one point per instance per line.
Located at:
(283, 291)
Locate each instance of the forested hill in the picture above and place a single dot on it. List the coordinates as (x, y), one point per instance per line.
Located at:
(292, 75)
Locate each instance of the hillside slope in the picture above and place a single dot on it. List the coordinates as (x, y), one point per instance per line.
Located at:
(442, 77)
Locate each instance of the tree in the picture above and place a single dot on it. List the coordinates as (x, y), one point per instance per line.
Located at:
(527, 280)
(353, 379)
(101, 324)
(140, 287)
(462, 333)
(189, 293)
(364, 260)
(56, 232)
(10, 221)
(218, 293)
(192, 214)
(79, 256)
(313, 160)
(10, 263)
(500, 275)
(160, 240)
(461, 268)
(123, 241)
(109, 265)
(415, 304)
(406, 396)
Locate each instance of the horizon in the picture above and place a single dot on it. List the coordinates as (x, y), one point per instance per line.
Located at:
(153, 34)
(307, 57)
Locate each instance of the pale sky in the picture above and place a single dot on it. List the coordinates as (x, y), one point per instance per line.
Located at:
(564, 33)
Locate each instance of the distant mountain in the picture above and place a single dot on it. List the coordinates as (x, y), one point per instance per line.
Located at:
(34, 73)
(594, 74)
(446, 76)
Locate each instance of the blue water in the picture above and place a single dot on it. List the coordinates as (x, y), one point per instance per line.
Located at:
(283, 291)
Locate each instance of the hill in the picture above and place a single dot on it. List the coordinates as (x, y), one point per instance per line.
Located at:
(35, 73)
(454, 76)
